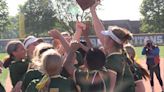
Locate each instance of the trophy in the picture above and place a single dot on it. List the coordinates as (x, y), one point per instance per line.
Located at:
(85, 4)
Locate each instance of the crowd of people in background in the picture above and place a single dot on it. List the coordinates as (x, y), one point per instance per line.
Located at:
(70, 64)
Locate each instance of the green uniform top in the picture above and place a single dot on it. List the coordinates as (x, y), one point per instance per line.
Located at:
(57, 84)
(80, 62)
(32, 86)
(61, 84)
(17, 71)
(29, 76)
(88, 83)
(136, 71)
(118, 64)
(2, 89)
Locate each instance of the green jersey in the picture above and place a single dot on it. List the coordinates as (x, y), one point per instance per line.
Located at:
(88, 82)
(17, 71)
(61, 84)
(32, 86)
(57, 84)
(118, 64)
(29, 76)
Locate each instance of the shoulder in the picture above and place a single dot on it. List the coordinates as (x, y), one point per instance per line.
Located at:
(115, 59)
(63, 81)
(115, 62)
(32, 86)
(33, 72)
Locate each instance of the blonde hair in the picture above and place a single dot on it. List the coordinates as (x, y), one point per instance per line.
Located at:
(51, 55)
(39, 50)
(130, 50)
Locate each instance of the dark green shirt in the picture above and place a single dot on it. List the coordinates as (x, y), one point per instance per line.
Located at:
(17, 71)
(61, 84)
(86, 81)
(2, 89)
(29, 76)
(32, 86)
(57, 84)
(124, 80)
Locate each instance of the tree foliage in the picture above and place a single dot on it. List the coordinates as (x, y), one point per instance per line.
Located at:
(39, 16)
(153, 16)
(13, 23)
(66, 12)
(43, 15)
(3, 16)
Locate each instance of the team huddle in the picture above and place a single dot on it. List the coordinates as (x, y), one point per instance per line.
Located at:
(70, 64)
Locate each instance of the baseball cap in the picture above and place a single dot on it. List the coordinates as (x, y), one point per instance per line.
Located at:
(31, 39)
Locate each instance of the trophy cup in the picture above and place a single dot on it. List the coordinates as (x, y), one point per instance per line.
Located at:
(85, 4)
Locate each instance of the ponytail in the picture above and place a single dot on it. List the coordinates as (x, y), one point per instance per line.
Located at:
(145, 74)
(7, 61)
(130, 61)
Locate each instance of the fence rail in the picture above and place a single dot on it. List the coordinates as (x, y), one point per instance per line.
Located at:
(138, 40)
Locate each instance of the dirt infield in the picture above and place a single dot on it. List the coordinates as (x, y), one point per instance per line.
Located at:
(146, 83)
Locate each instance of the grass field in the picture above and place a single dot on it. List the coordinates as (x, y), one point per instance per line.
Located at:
(4, 71)
(137, 49)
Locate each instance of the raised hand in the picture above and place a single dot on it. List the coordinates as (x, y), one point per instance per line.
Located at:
(54, 33)
(80, 26)
(74, 45)
(86, 31)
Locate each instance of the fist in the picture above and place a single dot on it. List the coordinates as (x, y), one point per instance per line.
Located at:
(80, 26)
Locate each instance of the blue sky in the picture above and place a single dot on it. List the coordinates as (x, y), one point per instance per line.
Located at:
(110, 9)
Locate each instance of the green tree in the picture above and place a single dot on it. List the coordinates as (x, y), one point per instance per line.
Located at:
(39, 16)
(66, 11)
(3, 16)
(13, 23)
(153, 16)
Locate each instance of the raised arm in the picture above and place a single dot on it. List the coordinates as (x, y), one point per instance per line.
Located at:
(56, 35)
(69, 61)
(79, 28)
(85, 34)
(98, 26)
